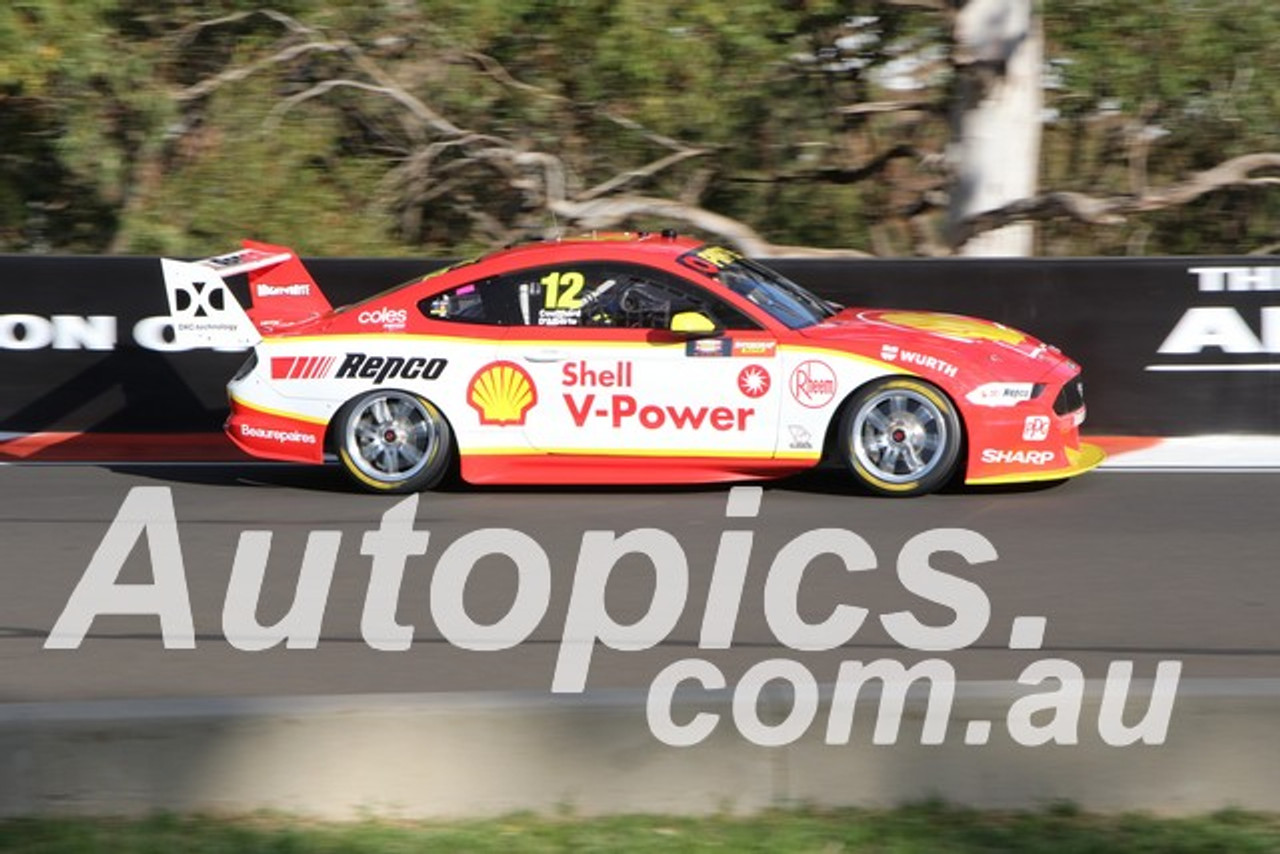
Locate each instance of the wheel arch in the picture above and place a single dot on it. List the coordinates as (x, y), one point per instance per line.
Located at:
(333, 429)
(829, 448)
(331, 434)
(830, 445)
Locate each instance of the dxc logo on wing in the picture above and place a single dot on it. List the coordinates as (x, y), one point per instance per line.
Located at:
(199, 299)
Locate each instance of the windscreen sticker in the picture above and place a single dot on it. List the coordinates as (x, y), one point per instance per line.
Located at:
(709, 260)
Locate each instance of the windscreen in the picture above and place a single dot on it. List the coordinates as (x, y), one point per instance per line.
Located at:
(781, 298)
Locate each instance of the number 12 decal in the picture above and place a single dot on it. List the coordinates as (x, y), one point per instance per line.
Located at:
(572, 283)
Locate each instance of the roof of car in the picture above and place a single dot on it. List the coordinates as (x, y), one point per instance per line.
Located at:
(666, 243)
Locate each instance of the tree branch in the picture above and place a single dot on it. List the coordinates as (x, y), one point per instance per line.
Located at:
(383, 83)
(423, 114)
(498, 72)
(241, 72)
(632, 175)
(611, 212)
(867, 108)
(1112, 210)
(1236, 172)
(187, 33)
(836, 174)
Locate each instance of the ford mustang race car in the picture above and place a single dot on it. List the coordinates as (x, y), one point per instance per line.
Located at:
(637, 358)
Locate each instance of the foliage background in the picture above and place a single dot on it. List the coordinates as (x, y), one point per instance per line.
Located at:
(124, 127)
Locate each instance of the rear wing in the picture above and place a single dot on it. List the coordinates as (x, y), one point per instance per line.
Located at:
(205, 313)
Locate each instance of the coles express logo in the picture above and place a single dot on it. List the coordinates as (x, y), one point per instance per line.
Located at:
(383, 317)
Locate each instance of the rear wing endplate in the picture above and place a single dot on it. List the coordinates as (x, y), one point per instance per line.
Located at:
(202, 309)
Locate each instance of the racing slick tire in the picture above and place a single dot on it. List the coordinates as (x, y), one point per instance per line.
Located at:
(392, 441)
(900, 436)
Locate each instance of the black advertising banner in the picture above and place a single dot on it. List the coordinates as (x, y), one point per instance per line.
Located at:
(1170, 346)
(85, 345)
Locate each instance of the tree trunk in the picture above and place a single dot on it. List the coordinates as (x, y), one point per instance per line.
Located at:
(995, 154)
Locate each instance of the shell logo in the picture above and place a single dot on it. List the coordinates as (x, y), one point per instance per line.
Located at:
(954, 326)
(502, 393)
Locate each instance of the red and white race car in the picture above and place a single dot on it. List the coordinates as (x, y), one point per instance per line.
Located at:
(645, 358)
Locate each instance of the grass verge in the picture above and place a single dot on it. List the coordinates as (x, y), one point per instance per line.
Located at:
(932, 828)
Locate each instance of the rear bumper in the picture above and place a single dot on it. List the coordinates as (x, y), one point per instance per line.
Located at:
(273, 435)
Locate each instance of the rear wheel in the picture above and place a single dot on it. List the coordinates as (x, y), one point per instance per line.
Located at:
(394, 441)
(900, 436)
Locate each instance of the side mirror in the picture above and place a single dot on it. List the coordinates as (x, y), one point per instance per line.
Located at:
(693, 323)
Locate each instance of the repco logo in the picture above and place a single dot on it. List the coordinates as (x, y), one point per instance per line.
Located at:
(383, 368)
(384, 317)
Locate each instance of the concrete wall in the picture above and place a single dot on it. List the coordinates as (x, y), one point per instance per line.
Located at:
(474, 755)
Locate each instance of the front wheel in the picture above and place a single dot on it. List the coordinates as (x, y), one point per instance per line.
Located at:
(394, 441)
(900, 436)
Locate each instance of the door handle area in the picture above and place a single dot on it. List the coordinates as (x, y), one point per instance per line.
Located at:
(546, 356)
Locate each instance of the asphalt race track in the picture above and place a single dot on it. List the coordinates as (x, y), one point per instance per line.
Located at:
(1123, 566)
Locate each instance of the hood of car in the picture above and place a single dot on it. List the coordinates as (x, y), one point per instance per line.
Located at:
(909, 336)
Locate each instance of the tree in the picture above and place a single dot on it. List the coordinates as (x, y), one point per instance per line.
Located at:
(998, 55)
(446, 127)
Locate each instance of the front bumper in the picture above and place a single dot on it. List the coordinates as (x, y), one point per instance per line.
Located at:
(1079, 460)
(1033, 440)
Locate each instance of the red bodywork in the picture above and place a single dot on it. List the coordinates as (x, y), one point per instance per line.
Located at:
(959, 355)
